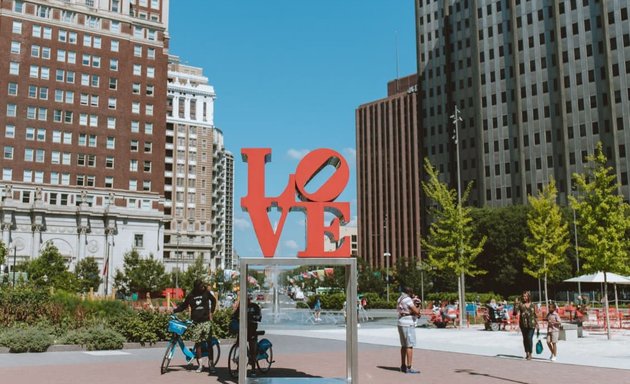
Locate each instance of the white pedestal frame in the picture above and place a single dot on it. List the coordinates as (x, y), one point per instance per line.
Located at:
(350, 264)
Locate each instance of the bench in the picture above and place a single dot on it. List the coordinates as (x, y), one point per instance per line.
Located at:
(570, 331)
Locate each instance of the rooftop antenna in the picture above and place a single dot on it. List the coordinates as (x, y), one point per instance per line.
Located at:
(397, 71)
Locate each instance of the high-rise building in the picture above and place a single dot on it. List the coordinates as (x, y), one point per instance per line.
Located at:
(388, 176)
(228, 230)
(351, 232)
(538, 83)
(82, 127)
(198, 178)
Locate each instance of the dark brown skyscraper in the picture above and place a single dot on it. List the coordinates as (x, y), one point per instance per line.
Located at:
(388, 175)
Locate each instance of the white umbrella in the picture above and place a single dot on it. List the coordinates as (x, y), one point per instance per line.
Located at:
(599, 278)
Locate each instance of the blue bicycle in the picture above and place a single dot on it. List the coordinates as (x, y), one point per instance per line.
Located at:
(177, 328)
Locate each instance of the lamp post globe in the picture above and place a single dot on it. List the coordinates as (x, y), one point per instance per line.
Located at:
(387, 255)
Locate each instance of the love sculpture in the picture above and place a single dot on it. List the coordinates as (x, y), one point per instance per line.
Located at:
(295, 197)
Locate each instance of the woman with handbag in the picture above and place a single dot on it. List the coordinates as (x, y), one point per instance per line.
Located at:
(527, 321)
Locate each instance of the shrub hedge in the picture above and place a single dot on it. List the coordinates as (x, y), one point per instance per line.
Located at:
(95, 338)
(27, 339)
(60, 309)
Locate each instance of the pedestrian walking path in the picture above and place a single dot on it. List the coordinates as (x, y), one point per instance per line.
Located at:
(592, 350)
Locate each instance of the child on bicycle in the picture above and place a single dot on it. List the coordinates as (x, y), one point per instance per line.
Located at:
(201, 304)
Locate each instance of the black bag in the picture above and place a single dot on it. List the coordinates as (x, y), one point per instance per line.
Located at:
(233, 326)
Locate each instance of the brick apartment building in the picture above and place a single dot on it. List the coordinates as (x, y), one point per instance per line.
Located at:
(82, 127)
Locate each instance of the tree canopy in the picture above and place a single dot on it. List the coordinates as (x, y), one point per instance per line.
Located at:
(140, 274)
(602, 217)
(504, 252)
(548, 238)
(50, 269)
(449, 243)
(87, 274)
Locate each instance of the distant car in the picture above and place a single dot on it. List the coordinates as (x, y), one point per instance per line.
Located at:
(260, 297)
(299, 295)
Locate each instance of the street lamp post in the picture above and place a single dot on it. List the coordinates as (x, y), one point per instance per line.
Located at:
(177, 263)
(14, 261)
(421, 279)
(461, 283)
(387, 255)
(577, 253)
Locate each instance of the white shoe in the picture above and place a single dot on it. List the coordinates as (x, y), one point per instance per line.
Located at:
(553, 358)
(200, 366)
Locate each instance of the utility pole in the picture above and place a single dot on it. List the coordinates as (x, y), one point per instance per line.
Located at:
(461, 282)
(577, 253)
(386, 256)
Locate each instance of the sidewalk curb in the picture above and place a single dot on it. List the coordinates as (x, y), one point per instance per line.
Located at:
(79, 348)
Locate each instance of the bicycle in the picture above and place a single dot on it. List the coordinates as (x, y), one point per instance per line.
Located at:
(177, 328)
(263, 360)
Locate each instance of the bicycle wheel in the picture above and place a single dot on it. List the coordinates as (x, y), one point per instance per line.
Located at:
(264, 365)
(168, 355)
(233, 360)
(216, 352)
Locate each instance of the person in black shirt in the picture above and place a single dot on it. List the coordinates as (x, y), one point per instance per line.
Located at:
(254, 316)
(202, 304)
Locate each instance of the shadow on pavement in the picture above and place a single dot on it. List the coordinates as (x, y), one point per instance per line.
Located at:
(510, 356)
(223, 375)
(475, 373)
(395, 369)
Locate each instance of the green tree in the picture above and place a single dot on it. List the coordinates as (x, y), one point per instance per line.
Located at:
(220, 284)
(140, 275)
(449, 243)
(603, 222)
(408, 274)
(548, 237)
(87, 274)
(50, 269)
(369, 280)
(504, 251)
(198, 270)
(3, 253)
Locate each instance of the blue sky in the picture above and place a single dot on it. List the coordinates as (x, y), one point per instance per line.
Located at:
(289, 75)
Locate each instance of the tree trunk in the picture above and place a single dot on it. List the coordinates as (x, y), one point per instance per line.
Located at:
(606, 305)
(462, 300)
(546, 294)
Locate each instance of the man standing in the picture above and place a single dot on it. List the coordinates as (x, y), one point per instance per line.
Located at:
(407, 315)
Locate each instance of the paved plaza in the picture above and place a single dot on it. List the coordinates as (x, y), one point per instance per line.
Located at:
(463, 356)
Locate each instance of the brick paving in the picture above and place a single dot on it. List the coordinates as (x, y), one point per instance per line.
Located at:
(301, 357)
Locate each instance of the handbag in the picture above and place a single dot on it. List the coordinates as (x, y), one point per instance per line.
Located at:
(539, 347)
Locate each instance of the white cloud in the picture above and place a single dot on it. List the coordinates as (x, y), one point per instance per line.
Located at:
(291, 244)
(350, 152)
(242, 224)
(297, 154)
